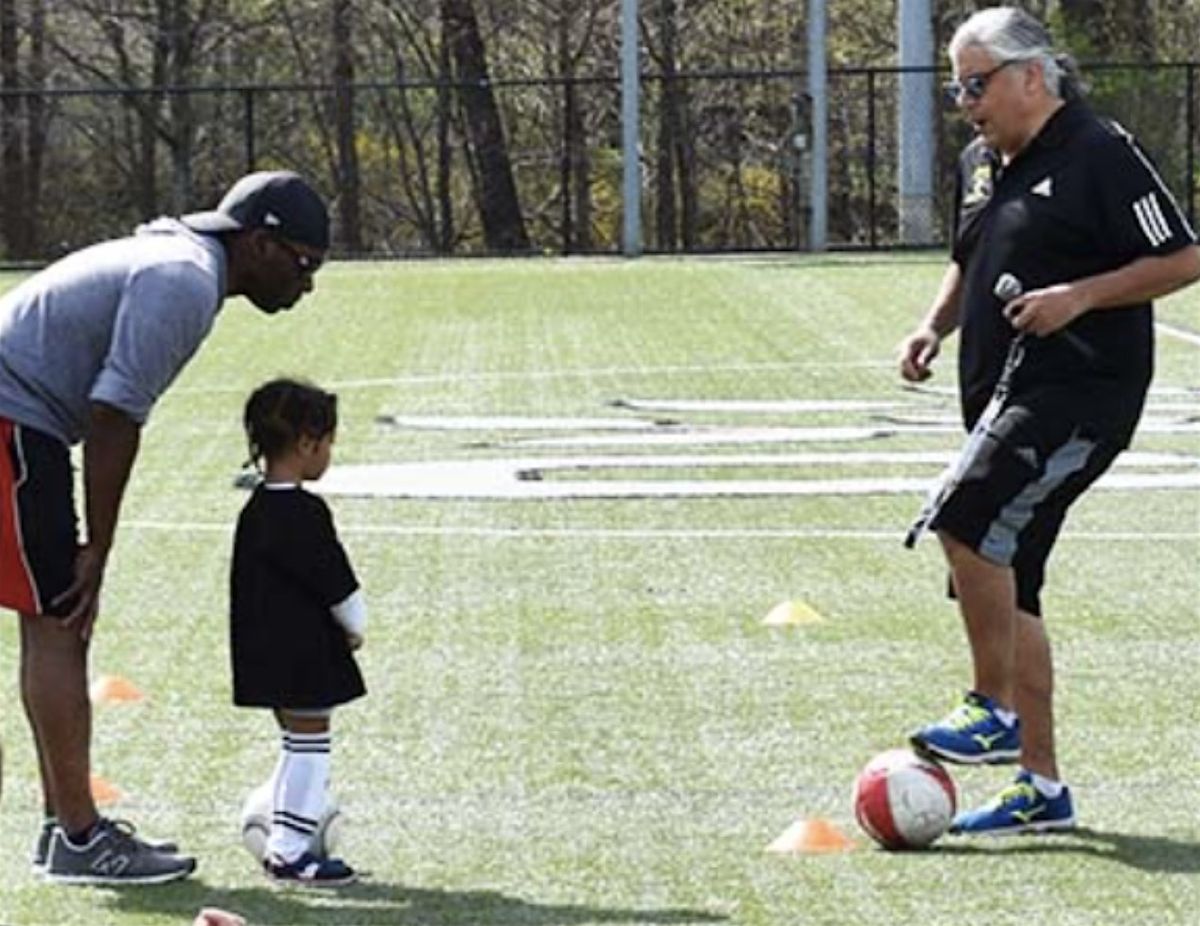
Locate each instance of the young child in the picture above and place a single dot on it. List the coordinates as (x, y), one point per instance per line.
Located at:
(296, 613)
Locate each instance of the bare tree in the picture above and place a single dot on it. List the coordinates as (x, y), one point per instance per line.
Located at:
(407, 42)
(36, 124)
(574, 24)
(499, 206)
(349, 187)
(151, 51)
(12, 162)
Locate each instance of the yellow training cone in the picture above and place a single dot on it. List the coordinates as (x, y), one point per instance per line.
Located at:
(104, 793)
(109, 689)
(808, 837)
(792, 612)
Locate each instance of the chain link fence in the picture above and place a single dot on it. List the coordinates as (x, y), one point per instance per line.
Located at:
(726, 158)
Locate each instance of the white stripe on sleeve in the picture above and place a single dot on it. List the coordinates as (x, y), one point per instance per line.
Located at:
(1152, 233)
(1156, 214)
(1153, 171)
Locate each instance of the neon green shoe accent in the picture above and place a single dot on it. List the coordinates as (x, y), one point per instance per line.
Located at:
(966, 715)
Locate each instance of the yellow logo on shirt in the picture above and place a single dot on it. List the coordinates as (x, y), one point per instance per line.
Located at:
(980, 187)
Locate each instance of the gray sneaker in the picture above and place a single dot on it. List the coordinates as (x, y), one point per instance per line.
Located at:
(112, 856)
(41, 849)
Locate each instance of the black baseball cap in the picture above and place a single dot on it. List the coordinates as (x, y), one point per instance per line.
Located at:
(278, 200)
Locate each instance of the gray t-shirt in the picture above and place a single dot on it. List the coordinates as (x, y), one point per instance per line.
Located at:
(112, 323)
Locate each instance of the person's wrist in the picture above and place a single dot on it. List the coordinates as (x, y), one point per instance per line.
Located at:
(97, 551)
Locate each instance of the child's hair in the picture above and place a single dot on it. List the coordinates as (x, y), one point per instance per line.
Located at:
(282, 411)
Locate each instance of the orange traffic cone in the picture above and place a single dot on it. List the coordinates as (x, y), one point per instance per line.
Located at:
(103, 793)
(112, 689)
(811, 836)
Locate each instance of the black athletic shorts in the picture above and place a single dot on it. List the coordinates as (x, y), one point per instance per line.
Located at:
(1010, 504)
(39, 535)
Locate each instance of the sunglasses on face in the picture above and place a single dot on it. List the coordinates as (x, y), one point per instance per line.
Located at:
(974, 86)
(305, 264)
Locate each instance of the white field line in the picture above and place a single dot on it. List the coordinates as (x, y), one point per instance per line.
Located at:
(795, 406)
(598, 372)
(496, 480)
(591, 373)
(676, 436)
(951, 392)
(1181, 333)
(764, 406)
(888, 413)
(582, 373)
(602, 533)
(522, 478)
(515, 423)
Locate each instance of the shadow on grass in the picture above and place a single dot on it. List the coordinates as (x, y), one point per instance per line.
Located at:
(379, 904)
(1147, 853)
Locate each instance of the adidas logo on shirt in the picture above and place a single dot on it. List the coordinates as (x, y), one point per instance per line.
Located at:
(1043, 188)
(1150, 218)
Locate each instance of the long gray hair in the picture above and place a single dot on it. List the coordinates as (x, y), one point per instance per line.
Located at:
(1009, 34)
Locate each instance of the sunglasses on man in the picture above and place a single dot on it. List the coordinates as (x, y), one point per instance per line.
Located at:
(304, 263)
(974, 86)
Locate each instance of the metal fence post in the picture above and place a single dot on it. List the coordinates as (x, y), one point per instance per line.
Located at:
(1193, 139)
(872, 230)
(248, 127)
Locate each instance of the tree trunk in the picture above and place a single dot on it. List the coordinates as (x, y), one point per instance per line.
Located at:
(666, 224)
(142, 122)
(566, 229)
(581, 170)
(349, 182)
(500, 209)
(180, 42)
(12, 167)
(577, 168)
(685, 168)
(35, 125)
(445, 152)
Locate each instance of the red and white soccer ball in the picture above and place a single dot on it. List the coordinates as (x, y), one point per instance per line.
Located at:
(902, 800)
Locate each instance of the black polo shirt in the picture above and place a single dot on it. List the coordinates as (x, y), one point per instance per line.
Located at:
(1081, 199)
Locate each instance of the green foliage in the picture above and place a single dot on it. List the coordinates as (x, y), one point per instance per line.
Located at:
(110, 161)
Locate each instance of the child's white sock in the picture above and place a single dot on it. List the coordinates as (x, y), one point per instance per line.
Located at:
(301, 779)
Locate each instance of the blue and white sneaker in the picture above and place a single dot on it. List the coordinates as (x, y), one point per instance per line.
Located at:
(971, 734)
(310, 871)
(1019, 808)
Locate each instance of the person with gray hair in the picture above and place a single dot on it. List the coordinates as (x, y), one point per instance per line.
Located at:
(1063, 234)
(1011, 35)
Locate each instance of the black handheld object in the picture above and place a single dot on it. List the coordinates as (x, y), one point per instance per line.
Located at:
(1006, 288)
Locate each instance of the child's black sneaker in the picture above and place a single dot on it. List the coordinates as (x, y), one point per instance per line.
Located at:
(311, 871)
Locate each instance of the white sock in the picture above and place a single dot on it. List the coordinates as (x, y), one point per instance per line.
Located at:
(301, 780)
(1005, 716)
(1047, 787)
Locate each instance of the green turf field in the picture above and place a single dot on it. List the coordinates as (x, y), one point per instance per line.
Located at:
(576, 714)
